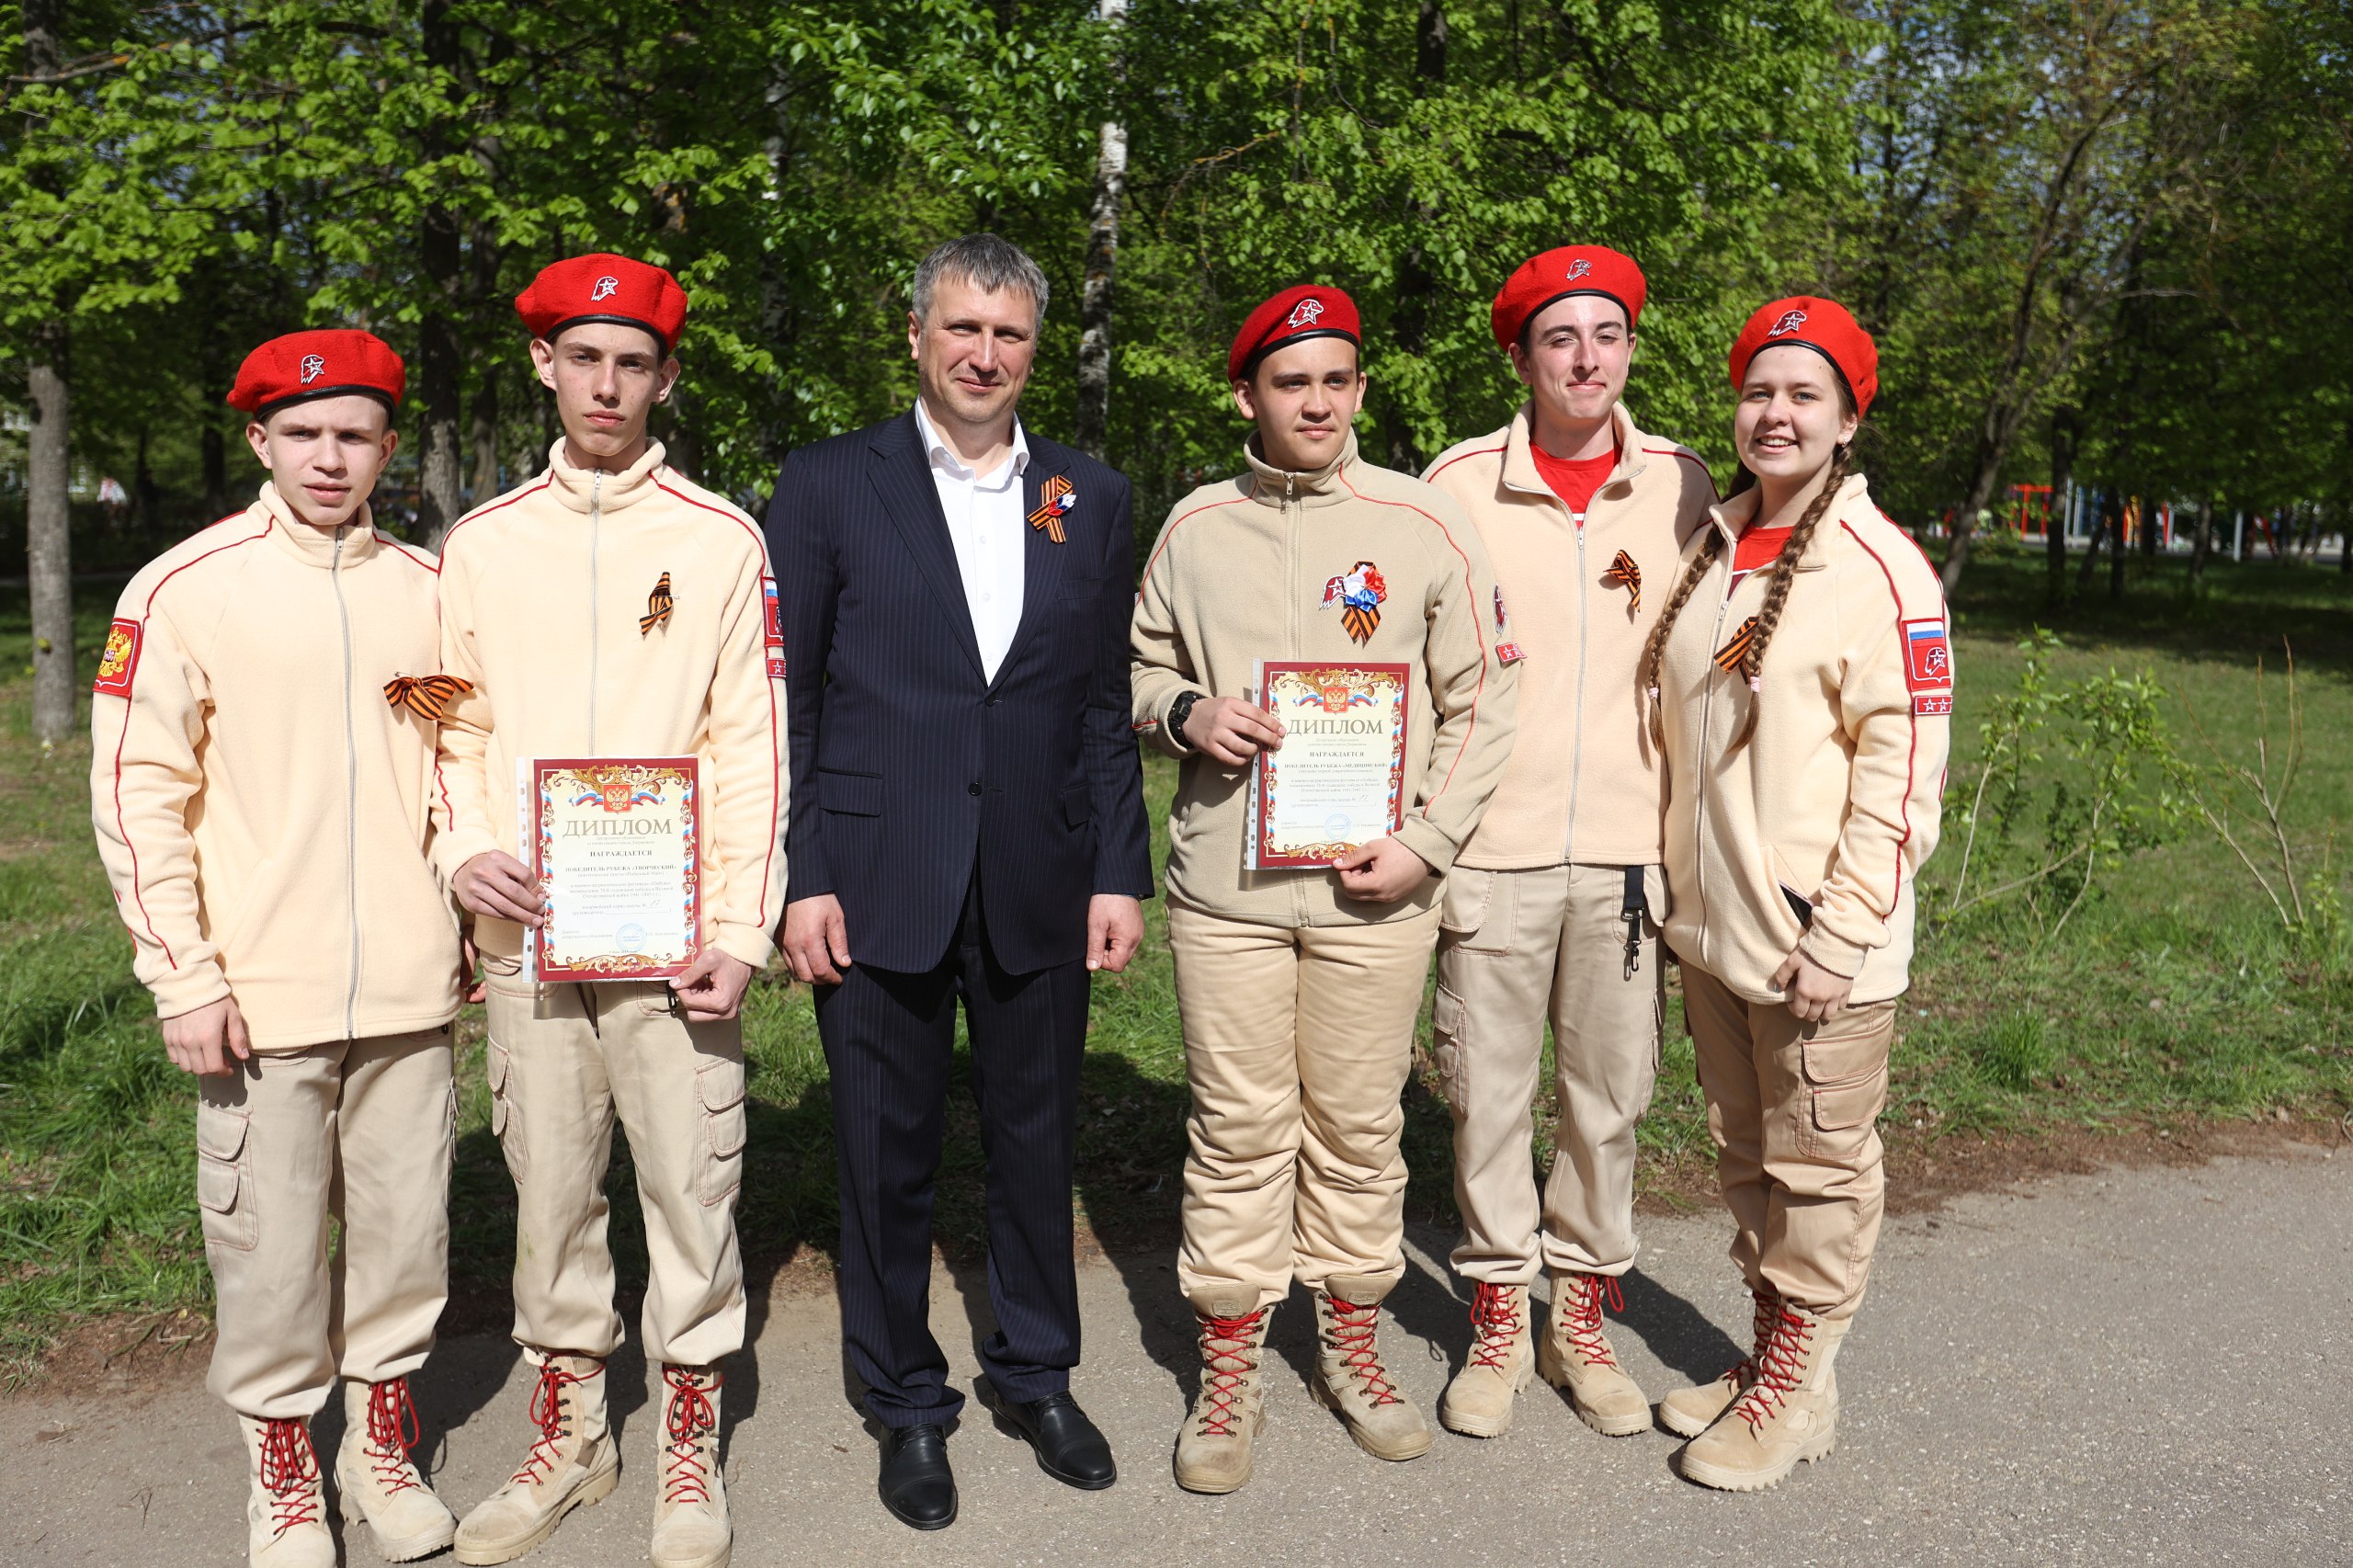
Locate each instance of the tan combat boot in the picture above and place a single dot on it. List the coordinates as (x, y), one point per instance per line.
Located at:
(690, 1525)
(1690, 1412)
(376, 1479)
(1788, 1414)
(1214, 1450)
(574, 1462)
(1478, 1402)
(1349, 1376)
(1574, 1355)
(286, 1510)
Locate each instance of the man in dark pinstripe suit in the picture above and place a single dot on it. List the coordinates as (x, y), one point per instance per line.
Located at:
(969, 821)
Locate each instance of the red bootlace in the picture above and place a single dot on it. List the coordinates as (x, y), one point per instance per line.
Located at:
(547, 1412)
(289, 1474)
(1496, 1320)
(1353, 1329)
(1226, 1360)
(393, 1431)
(1766, 1311)
(1780, 1365)
(1581, 1314)
(689, 1418)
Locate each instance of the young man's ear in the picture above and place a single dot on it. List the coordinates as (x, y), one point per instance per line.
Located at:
(543, 361)
(1244, 400)
(258, 438)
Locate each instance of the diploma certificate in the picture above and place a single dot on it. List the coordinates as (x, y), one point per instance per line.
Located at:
(616, 842)
(1339, 780)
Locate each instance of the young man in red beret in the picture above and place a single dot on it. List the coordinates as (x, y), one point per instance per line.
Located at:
(263, 747)
(1299, 987)
(609, 607)
(1556, 902)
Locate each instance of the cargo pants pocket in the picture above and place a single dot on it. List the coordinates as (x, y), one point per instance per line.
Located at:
(505, 1117)
(719, 1163)
(1476, 910)
(224, 1178)
(1845, 1086)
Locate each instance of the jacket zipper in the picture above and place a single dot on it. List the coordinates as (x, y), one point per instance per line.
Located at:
(351, 791)
(595, 527)
(1576, 747)
(1292, 514)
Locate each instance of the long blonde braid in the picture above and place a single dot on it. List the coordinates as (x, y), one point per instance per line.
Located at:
(1654, 651)
(1785, 571)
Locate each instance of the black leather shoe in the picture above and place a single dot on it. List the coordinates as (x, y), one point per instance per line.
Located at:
(916, 1485)
(1069, 1448)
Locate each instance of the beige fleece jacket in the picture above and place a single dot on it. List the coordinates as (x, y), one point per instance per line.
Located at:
(544, 592)
(260, 808)
(1579, 786)
(1834, 799)
(1240, 576)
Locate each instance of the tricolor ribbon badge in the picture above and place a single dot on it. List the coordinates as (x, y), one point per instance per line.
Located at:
(1729, 656)
(1054, 498)
(427, 696)
(658, 606)
(1624, 570)
(1359, 595)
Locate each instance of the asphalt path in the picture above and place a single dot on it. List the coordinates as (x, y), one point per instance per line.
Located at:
(2135, 1367)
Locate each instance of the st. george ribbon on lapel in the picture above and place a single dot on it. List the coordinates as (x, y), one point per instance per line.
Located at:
(1053, 500)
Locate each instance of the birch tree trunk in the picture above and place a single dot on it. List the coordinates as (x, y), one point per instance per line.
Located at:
(1102, 253)
(49, 544)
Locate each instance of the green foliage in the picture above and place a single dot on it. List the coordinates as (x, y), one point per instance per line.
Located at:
(2072, 777)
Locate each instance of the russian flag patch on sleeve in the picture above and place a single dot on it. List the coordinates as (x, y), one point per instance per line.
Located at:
(120, 660)
(774, 612)
(1928, 666)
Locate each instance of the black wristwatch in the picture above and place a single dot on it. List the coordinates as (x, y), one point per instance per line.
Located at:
(1178, 712)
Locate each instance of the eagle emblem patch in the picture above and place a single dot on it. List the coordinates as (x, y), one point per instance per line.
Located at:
(120, 663)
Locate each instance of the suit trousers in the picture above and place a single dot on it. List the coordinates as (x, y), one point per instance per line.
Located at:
(565, 1061)
(1298, 1041)
(889, 1037)
(357, 1131)
(1521, 947)
(1793, 1111)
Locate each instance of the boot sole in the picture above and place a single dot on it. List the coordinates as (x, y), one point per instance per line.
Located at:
(1396, 1455)
(726, 1556)
(1708, 1475)
(595, 1490)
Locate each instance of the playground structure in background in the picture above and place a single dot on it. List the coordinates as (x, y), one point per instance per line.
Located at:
(2027, 513)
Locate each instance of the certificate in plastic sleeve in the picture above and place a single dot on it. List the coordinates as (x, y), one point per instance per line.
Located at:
(1339, 780)
(616, 844)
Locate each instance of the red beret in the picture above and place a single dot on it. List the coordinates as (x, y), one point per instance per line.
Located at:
(1573, 270)
(332, 362)
(1822, 325)
(1311, 309)
(604, 288)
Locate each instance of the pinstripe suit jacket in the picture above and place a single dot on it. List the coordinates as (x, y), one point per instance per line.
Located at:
(909, 769)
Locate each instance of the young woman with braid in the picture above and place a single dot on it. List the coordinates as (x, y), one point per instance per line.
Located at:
(1799, 692)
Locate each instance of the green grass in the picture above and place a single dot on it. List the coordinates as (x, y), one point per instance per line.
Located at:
(2172, 997)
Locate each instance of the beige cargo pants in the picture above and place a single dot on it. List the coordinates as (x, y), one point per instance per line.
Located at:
(1517, 946)
(355, 1132)
(1297, 1045)
(1793, 1111)
(564, 1061)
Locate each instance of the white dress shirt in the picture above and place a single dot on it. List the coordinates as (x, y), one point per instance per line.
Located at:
(985, 521)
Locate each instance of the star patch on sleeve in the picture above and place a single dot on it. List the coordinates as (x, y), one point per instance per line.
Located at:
(1928, 666)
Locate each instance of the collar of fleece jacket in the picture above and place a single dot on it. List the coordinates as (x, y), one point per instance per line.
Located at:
(1271, 487)
(317, 547)
(579, 488)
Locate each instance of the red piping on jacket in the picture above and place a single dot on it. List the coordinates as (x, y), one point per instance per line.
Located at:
(1912, 755)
